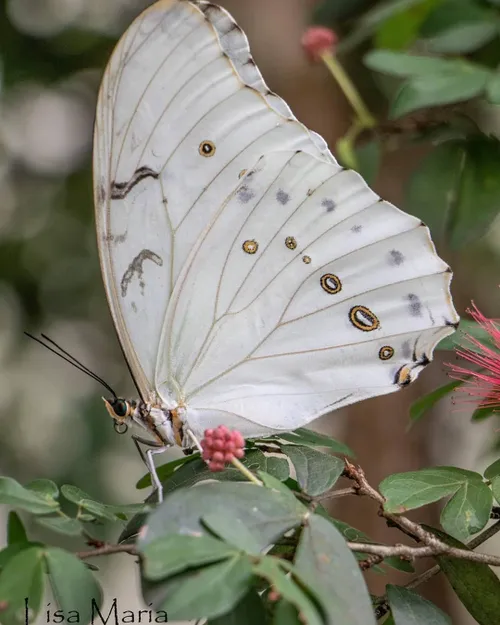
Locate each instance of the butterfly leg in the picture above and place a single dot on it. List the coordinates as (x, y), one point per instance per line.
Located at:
(147, 458)
(152, 469)
(195, 440)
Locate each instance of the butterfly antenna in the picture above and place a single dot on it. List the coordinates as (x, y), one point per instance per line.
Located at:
(70, 359)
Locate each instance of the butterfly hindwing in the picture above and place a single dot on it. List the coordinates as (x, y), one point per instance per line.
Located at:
(305, 293)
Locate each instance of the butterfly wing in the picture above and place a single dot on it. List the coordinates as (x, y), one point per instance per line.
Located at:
(305, 293)
(182, 112)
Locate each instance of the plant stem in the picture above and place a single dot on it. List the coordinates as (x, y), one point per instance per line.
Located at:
(248, 474)
(365, 118)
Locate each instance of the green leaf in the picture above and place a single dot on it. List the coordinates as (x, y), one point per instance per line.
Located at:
(232, 531)
(186, 473)
(166, 470)
(479, 190)
(481, 414)
(249, 611)
(271, 570)
(266, 513)
(493, 470)
(15, 529)
(354, 535)
(329, 568)
(22, 577)
(61, 525)
(439, 89)
(495, 487)
(12, 550)
(45, 488)
(212, 591)
(372, 20)
(400, 565)
(13, 494)
(73, 584)
(458, 27)
(434, 190)
(82, 500)
(406, 491)
(475, 584)
(278, 468)
(316, 472)
(401, 30)
(493, 89)
(368, 157)
(175, 553)
(303, 436)
(425, 403)
(271, 482)
(468, 510)
(408, 608)
(459, 180)
(286, 614)
(405, 65)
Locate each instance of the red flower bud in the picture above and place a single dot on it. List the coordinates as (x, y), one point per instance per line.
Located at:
(317, 40)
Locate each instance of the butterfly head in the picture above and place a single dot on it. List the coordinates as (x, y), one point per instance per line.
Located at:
(119, 409)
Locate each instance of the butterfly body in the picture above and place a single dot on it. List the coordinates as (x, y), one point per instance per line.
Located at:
(253, 281)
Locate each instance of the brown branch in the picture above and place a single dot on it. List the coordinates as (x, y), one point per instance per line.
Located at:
(107, 550)
(409, 553)
(419, 122)
(366, 564)
(333, 494)
(408, 527)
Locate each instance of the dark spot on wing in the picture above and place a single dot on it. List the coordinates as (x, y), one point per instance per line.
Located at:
(453, 324)
(415, 305)
(396, 257)
(282, 197)
(328, 204)
(356, 229)
(115, 238)
(245, 194)
(136, 268)
(120, 190)
(101, 193)
(406, 350)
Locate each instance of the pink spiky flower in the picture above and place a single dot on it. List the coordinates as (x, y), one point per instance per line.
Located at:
(319, 40)
(220, 446)
(484, 384)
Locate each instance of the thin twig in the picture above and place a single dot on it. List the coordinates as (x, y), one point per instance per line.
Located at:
(107, 550)
(410, 553)
(414, 529)
(340, 492)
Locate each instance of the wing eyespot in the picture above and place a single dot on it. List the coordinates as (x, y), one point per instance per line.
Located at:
(306, 260)
(291, 243)
(362, 318)
(207, 148)
(250, 246)
(331, 283)
(386, 352)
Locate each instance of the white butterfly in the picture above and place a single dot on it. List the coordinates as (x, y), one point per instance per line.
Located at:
(253, 281)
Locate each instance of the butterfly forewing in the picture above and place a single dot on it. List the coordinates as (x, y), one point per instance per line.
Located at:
(177, 126)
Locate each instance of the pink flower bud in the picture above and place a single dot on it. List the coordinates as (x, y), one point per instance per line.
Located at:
(317, 40)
